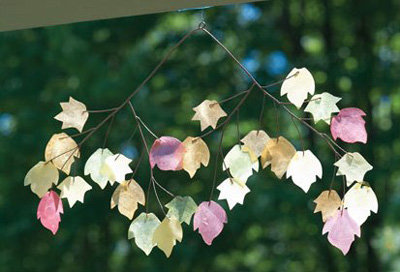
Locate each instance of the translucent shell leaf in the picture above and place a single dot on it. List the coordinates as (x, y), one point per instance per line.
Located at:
(181, 208)
(299, 84)
(116, 167)
(239, 164)
(196, 153)
(208, 113)
(304, 168)
(74, 189)
(167, 153)
(49, 210)
(341, 228)
(41, 177)
(94, 164)
(61, 150)
(360, 200)
(233, 191)
(278, 153)
(328, 202)
(166, 235)
(321, 106)
(353, 166)
(127, 196)
(209, 219)
(254, 143)
(142, 229)
(73, 115)
(349, 126)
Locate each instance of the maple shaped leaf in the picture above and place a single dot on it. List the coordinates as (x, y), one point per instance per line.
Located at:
(181, 208)
(328, 202)
(360, 200)
(49, 210)
(94, 165)
(341, 228)
(299, 84)
(74, 189)
(353, 166)
(321, 106)
(115, 168)
(254, 143)
(233, 191)
(61, 150)
(166, 235)
(167, 153)
(304, 168)
(278, 153)
(142, 229)
(196, 153)
(209, 219)
(74, 114)
(41, 177)
(349, 126)
(239, 164)
(127, 196)
(208, 113)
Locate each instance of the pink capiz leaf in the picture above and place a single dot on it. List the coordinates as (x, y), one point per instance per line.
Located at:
(49, 210)
(342, 229)
(209, 219)
(167, 153)
(349, 126)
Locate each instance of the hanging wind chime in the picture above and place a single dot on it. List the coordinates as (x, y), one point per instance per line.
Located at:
(342, 216)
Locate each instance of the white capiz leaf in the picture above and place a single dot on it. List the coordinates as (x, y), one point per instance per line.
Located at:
(304, 168)
(353, 166)
(360, 200)
(233, 191)
(322, 106)
(239, 163)
(297, 87)
(74, 189)
(95, 163)
(116, 167)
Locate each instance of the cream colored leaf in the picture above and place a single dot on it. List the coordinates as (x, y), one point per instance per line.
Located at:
(360, 200)
(254, 143)
(304, 168)
(74, 114)
(208, 113)
(328, 202)
(166, 235)
(127, 196)
(41, 177)
(61, 150)
(74, 189)
(196, 153)
(142, 229)
(94, 164)
(299, 84)
(116, 167)
(278, 152)
(233, 191)
(239, 164)
(353, 166)
(322, 106)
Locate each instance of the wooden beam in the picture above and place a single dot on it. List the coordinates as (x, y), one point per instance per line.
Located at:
(20, 14)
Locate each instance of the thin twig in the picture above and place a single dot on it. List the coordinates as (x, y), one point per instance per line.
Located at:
(147, 128)
(216, 164)
(101, 111)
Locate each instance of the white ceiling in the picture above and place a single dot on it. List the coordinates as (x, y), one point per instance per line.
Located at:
(20, 14)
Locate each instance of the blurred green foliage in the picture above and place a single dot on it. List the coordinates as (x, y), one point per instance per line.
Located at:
(352, 48)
